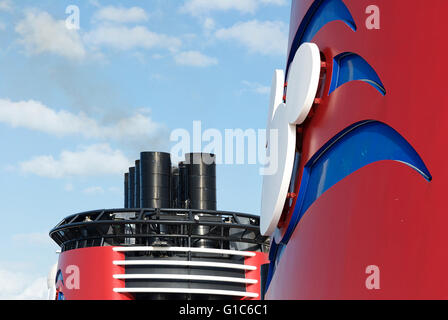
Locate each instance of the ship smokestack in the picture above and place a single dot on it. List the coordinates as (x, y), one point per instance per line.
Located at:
(183, 186)
(155, 183)
(137, 200)
(126, 190)
(201, 180)
(175, 188)
(131, 187)
(202, 195)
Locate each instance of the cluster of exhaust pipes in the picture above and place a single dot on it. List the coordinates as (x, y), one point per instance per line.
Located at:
(155, 183)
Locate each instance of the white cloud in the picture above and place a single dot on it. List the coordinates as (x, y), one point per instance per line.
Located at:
(95, 3)
(36, 116)
(209, 24)
(95, 160)
(157, 56)
(194, 59)
(6, 5)
(264, 37)
(256, 87)
(137, 129)
(93, 191)
(115, 190)
(41, 33)
(199, 7)
(20, 286)
(126, 38)
(121, 14)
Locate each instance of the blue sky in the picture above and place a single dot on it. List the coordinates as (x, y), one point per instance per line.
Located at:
(77, 106)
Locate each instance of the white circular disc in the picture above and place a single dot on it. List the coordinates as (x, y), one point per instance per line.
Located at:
(277, 177)
(303, 81)
(277, 87)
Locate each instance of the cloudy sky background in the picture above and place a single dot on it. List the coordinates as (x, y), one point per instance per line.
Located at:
(77, 106)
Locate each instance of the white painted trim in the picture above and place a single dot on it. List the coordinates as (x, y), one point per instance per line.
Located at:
(184, 263)
(184, 277)
(188, 291)
(186, 249)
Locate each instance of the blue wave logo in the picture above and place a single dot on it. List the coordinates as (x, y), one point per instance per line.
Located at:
(354, 147)
(320, 13)
(349, 67)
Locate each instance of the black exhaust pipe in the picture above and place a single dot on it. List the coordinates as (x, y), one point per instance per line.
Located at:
(126, 190)
(201, 180)
(155, 183)
(137, 200)
(131, 188)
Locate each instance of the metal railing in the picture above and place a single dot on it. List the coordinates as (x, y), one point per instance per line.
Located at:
(160, 227)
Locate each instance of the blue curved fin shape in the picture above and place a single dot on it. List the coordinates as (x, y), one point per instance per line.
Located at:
(348, 67)
(319, 14)
(273, 257)
(328, 11)
(356, 147)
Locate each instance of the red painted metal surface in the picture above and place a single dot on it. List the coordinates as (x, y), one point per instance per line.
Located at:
(88, 274)
(259, 259)
(383, 214)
